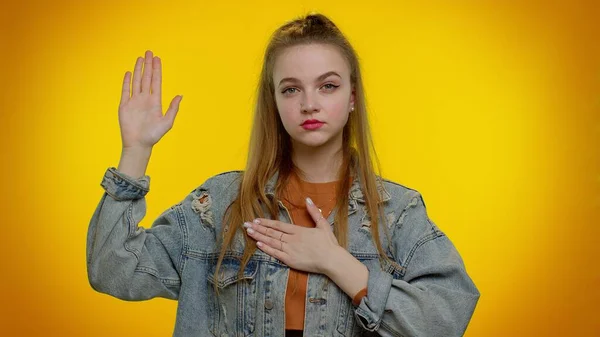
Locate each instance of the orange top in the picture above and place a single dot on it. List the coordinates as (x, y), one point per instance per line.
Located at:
(294, 195)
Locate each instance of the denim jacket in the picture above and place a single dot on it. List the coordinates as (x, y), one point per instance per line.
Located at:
(430, 294)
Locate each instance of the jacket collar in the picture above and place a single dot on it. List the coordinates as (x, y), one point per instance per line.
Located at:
(355, 191)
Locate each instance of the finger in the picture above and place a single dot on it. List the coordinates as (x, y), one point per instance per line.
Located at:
(315, 214)
(156, 77)
(263, 238)
(125, 88)
(268, 231)
(173, 109)
(276, 253)
(277, 225)
(137, 76)
(147, 76)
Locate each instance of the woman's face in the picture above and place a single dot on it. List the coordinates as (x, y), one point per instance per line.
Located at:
(312, 82)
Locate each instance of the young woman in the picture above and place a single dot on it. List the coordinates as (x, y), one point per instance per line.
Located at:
(306, 240)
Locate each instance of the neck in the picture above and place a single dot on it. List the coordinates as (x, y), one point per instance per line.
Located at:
(318, 164)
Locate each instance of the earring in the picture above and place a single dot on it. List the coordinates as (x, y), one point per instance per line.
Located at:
(352, 109)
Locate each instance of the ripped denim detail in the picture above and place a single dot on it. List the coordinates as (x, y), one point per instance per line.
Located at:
(202, 205)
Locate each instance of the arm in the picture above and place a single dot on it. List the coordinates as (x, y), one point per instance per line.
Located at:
(127, 261)
(348, 274)
(435, 296)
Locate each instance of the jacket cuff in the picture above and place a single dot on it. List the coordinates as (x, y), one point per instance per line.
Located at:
(122, 187)
(369, 312)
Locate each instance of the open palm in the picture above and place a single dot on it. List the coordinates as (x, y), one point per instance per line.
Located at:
(140, 111)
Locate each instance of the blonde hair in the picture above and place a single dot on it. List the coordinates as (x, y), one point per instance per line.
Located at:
(270, 144)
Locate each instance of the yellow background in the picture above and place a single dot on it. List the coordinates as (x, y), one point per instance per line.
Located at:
(490, 109)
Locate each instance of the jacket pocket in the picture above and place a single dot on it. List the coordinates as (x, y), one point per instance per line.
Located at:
(233, 312)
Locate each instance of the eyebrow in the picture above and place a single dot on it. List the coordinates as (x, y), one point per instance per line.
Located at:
(320, 78)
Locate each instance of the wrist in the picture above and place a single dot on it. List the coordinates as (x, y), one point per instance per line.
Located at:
(134, 161)
(137, 151)
(347, 272)
(336, 256)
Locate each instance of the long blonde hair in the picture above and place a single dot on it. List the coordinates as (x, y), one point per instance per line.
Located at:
(270, 144)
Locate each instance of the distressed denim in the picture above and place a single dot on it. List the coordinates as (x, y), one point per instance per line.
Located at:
(430, 294)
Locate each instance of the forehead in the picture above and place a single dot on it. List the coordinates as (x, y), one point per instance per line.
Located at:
(306, 62)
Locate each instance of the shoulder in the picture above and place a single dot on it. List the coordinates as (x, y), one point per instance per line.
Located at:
(208, 201)
(223, 186)
(400, 196)
(410, 221)
(222, 180)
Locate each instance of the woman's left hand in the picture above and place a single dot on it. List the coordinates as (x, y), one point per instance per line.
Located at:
(301, 248)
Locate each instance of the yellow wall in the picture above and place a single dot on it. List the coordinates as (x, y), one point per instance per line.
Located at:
(489, 109)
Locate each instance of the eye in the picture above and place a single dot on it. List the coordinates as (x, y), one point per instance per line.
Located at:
(331, 86)
(285, 91)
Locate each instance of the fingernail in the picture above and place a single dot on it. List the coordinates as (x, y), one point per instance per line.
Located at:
(256, 221)
(247, 224)
(309, 201)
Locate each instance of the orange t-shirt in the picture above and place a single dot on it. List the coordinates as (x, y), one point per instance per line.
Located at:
(294, 195)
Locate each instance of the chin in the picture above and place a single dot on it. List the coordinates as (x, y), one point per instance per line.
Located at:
(311, 140)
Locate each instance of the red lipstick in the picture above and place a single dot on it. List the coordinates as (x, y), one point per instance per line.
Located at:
(312, 124)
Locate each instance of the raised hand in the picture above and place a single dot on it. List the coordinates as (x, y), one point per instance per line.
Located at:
(140, 110)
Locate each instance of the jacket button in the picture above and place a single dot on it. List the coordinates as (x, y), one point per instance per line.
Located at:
(317, 300)
(268, 304)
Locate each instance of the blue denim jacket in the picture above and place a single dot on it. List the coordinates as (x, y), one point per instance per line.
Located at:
(430, 295)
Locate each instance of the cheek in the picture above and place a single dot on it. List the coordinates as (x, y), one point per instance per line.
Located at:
(337, 111)
(285, 109)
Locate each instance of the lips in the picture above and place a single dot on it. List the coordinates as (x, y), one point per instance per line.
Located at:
(312, 124)
(312, 121)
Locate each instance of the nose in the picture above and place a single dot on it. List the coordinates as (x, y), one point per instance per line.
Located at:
(309, 103)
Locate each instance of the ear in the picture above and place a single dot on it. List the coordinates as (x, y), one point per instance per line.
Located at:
(352, 95)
